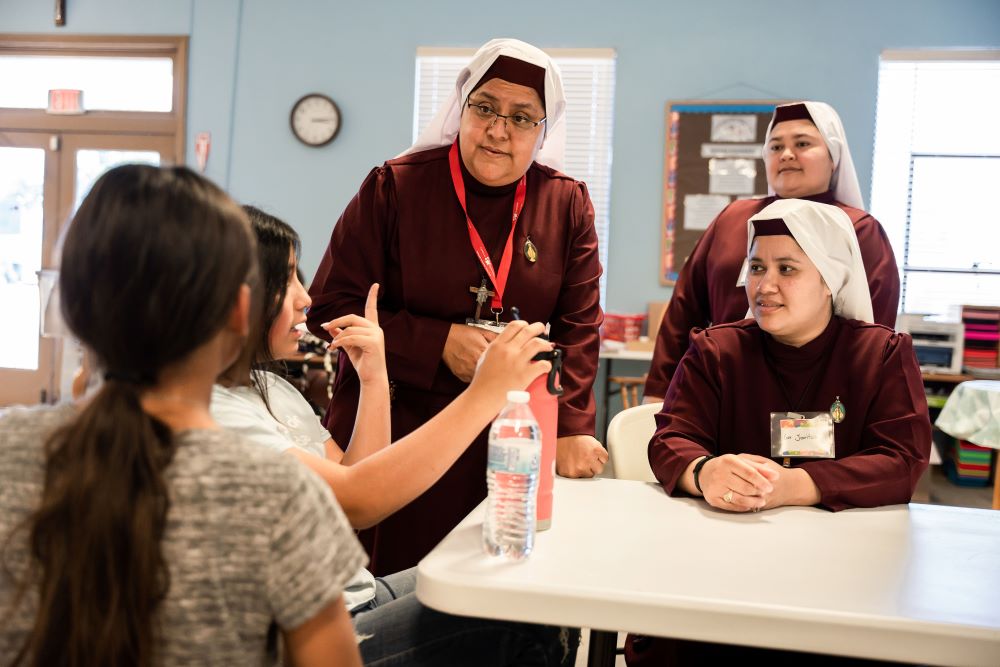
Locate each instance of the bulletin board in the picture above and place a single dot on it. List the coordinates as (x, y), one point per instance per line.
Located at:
(713, 156)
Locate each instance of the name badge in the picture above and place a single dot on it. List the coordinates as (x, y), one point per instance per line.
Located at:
(801, 435)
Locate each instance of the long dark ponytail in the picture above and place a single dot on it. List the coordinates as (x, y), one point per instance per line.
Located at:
(152, 265)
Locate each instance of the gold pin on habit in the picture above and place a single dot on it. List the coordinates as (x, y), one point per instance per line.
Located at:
(530, 251)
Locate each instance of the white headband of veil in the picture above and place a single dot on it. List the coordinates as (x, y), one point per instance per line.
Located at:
(844, 183)
(827, 237)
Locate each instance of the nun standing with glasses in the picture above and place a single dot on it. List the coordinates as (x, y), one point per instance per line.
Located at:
(806, 157)
(471, 221)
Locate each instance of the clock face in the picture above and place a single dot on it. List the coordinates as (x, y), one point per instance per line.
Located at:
(315, 120)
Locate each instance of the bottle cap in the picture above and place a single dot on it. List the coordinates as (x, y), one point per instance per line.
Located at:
(518, 397)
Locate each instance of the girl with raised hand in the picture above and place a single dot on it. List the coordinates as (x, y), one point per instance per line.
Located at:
(370, 479)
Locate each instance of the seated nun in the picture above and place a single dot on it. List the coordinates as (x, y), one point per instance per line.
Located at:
(809, 402)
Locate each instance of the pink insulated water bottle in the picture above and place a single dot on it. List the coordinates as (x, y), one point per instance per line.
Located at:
(544, 403)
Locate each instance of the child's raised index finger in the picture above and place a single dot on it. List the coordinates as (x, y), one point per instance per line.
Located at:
(371, 304)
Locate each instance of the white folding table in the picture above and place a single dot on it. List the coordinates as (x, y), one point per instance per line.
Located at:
(917, 583)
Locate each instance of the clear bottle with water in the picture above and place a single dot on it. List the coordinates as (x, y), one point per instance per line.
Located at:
(515, 452)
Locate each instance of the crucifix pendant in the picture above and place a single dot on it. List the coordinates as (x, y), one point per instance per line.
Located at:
(482, 294)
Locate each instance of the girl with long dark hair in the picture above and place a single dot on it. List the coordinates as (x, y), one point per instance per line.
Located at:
(134, 531)
(369, 479)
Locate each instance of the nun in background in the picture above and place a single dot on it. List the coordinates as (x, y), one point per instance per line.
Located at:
(475, 208)
(806, 157)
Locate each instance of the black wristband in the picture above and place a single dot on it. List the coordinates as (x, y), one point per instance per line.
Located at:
(697, 470)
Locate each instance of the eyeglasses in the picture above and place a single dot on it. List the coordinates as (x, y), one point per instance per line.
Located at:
(518, 121)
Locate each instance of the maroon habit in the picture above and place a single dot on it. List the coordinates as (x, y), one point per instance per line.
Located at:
(706, 291)
(720, 402)
(734, 375)
(405, 230)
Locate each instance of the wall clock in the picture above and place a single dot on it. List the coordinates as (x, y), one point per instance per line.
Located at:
(315, 120)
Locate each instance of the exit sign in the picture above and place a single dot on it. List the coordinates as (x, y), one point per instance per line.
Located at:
(65, 101)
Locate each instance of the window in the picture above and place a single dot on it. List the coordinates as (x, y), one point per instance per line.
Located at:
(589, 80)
(111, 83)
(935, 171)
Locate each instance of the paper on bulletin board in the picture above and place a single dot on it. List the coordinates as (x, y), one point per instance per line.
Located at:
(731, 176)
(701, 210)
(728, 127)
(748, 151)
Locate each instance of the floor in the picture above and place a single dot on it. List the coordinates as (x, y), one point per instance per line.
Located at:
(581, 655)
(935, 489)
(944, 492)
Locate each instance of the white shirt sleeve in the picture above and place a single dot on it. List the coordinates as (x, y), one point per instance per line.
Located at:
(290, 422)
(234, 413)
(296, 416)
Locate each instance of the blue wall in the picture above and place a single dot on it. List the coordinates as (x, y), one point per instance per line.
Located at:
(251, 59)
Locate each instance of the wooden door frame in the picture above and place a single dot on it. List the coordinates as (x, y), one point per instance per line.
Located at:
(116, 122)
(61, 135)
(59, 196)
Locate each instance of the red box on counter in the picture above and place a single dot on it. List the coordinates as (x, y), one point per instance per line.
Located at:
(622, 327)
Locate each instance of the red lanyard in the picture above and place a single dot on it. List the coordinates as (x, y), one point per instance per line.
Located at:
(499, 280)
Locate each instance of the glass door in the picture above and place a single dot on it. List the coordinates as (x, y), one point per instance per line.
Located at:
(29, 188)
(86, 156)
(43, 179)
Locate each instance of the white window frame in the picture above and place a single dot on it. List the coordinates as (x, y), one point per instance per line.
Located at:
(896, 151)
(589, 82)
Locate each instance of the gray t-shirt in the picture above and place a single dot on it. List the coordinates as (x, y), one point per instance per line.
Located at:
(252, 537)
(293, 424)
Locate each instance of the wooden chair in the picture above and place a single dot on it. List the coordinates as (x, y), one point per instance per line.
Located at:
(629, 387)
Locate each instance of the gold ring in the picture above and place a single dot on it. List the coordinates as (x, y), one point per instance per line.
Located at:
(729, 496)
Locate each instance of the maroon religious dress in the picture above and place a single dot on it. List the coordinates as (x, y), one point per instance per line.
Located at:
(706, 291)
(406, 230)
(734, 375)
(719, 402)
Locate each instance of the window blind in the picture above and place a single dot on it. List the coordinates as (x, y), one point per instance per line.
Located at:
(936, 167)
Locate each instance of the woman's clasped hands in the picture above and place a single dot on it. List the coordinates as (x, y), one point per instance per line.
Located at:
(741, 482)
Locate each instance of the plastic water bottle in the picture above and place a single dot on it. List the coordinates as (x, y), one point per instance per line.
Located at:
(515, 451)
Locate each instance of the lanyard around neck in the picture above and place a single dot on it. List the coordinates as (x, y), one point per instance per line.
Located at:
(499, 279)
